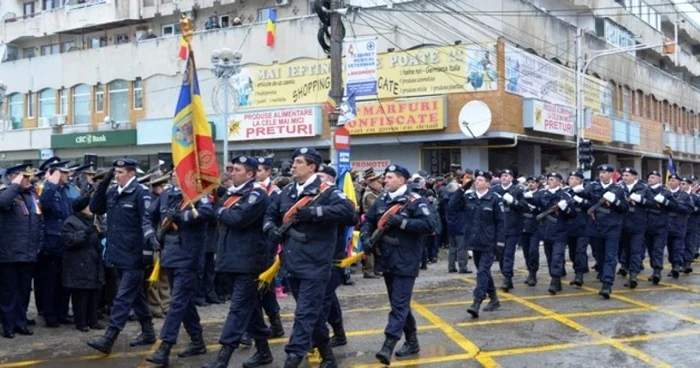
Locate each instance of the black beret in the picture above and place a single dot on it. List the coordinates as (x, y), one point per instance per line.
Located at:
(247, 161)
(507, 171)
(328, 170)
(309, 153)
(486, 174)
(555, 175)
(531, 178)
(577, 174)
(265, 161)
(654, 172)
(606, 167)
(688, 180)
(126, 162)
(630, 170)
(675, 176)
(396, 169)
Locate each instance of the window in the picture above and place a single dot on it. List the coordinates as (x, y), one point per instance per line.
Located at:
(30, 105)
(50, 4)
(264, 14)
(16, 110)
(97, 42)
(29, 8)
(81, 104)
(63, 108)
(28, 52)
(138, 94)
(47, 103)
(99, 98)
(67, 46)
(626, 103)
(638, 103)
(49, 49)
(119, 100)
(652, 108)
(224, 21)
(172, 29)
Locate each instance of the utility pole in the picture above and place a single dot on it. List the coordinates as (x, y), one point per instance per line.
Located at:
(337, 88)
(579, 82)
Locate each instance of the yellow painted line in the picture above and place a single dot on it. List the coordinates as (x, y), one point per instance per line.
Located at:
(455, 336)
(585, 330)
(543, 348)
(501, 321)
(660, 335)
(689, 289)
(420, 361)
(25, 363)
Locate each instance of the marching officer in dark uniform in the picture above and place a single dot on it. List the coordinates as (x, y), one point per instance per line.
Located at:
(130, 244)
(183, 229)
(301, 217)
(57, 205)
(608, 206)
(22, 228)
(658, 217)
(485, 229)
(513, 205)
(577, 239)
(692, 233)
(242, 255)
(529, 239)
(639, 197)
(678, 223)
(555, 206)
(394, 228)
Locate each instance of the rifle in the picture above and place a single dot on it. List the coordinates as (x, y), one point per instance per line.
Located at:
(546, 213)
(167, 224)
(381, 226)
(591, 211)
(291, 219)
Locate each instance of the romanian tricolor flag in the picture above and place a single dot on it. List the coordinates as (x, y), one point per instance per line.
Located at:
(330, 104)
(184, 47)
(352, 237)
(271, 26)
(670, 167)
(192, 144)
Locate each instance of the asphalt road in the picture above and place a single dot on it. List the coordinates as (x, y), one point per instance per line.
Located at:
(649, 326)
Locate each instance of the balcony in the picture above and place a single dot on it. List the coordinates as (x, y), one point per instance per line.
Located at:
(26, 139)
(152, 8)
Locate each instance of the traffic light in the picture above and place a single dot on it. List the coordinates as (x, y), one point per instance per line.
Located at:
(585, 154)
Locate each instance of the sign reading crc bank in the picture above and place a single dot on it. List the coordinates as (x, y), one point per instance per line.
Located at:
(419, 72)
(411, 115)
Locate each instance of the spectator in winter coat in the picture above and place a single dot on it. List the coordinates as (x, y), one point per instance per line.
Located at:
(455, 230)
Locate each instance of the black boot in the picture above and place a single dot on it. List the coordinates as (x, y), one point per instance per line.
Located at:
(606, 290)
(327, 357)
(246, 341)
(162, 356)
(578, 280)
(293, 361)
(531, 279)
(687, 268)
(147, 336)
(656, 277)
(387, 350)
(262, 355)
(474, 309)
(104, 344)
(676, 272)
(410, 346)
(195, 347)
(276, 326)
(554, 285)
(494, 303)
(507, 284)
(339, 338)
(633, 280)
(622, 272)
(222, 358)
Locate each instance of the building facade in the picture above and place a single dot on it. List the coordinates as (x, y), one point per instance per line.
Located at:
(103, 77)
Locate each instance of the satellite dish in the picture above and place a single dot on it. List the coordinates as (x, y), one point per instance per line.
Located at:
(474, 119)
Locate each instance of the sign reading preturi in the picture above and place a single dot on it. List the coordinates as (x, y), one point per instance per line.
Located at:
(412, 115)
(98, 139)
(275, 124)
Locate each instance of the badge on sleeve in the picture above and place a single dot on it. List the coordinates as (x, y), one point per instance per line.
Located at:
(147, 202)
(204, 200)
(424, 209)
(341, 194)
(253, 197)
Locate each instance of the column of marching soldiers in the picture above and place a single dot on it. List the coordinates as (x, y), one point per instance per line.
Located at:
(111, 224)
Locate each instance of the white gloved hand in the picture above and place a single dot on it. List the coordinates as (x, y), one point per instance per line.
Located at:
(578, 199)
(660, 198)
(508, 198)
(562, 204)
(636, 197)
(527, 195)
(578, 188)
(610, 197)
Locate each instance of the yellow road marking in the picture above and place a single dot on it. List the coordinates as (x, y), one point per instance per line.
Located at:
(468, 346)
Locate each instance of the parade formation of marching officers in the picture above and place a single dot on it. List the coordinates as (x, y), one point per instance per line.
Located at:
(88, 239)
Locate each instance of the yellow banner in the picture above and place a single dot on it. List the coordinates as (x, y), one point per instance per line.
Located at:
(419, 72)
(399, 116)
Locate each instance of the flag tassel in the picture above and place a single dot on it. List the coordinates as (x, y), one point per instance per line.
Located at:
(349, 261)
(155, 274)
(266, 278)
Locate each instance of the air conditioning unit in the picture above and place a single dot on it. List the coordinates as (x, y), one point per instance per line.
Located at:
(283, 2)
(45, 122)
(58, 120)
(667, 127)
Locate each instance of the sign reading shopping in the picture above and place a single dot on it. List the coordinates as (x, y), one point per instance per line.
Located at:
(418, 72)
(276, 124)
(101, 139)
(361, 66)
(412, 115)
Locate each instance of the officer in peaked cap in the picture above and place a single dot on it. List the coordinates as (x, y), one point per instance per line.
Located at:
(604, 229)
(513, 205)
(394, 228)
(577, 239)
(692, 232)
(130, 250)
(84, 176)
(57, 205)
(21, 226)
(307, 259)
(639, 198)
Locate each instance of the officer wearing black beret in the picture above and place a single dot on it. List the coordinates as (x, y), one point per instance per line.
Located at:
(21, 223)
(513, 205)
(657, 225)
(529, 239)
(577, 239)
(130, 247)
(305, 209)
(639, 198)
(678, 224)
(485, 228)
(609, 207)
(692, 232)
(394, 229)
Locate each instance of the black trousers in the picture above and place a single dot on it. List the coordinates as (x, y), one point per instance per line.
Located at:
(85, 306)
(15, 280)
(51, 291)
(205, 280)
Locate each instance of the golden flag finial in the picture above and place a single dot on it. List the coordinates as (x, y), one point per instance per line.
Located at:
(186, 25)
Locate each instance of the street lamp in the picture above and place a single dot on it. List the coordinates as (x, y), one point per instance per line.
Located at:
(226, 63)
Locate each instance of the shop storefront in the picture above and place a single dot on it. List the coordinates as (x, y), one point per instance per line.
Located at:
(107, 145)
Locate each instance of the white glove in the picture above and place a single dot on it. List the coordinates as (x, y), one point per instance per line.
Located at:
(508, 198)
(562, 204)
(660, 198)
(578, 188)
(610, 197)
(636, 197)
(578, 199)
(527, 195)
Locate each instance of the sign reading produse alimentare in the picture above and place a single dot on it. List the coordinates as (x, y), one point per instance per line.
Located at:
(98, 139)
(276, 124)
